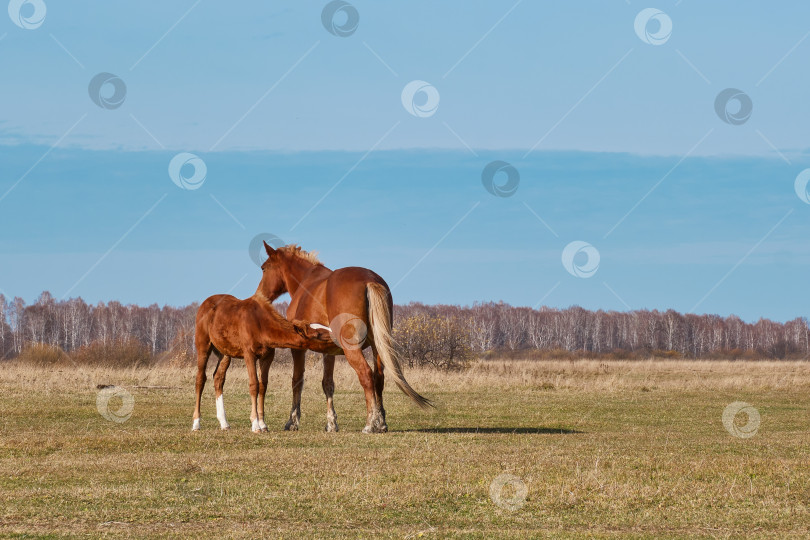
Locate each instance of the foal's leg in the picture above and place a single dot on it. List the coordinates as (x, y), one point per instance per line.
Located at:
(219, 384)
(264, 367)
(203, 350)
(299, 366)
(328, 384)
(374, 419)
(379, 383)
(250, 363)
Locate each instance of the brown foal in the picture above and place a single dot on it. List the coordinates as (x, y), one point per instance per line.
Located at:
(251, 329)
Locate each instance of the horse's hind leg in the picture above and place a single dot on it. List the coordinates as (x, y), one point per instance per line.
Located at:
(379, 383)
(299, 358)
(219, 384)
(328, 384)
(264, 368)
(203, 351)
(374, 420)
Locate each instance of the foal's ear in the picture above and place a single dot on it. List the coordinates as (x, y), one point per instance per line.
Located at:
(268, 249)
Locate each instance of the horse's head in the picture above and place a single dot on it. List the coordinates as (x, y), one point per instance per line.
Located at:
(317, 332)
(272, 285)
(285, 268)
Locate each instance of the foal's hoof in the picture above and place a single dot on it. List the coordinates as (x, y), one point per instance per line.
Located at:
(264, 430)
(375, 429)
(331, 428)
(225, 428)
(291, 426)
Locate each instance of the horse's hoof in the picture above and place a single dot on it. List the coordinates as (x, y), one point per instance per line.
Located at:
(264, 430)
(331, 428)
(195, 426)
(289, 426)
(225, 428)
(375, 429)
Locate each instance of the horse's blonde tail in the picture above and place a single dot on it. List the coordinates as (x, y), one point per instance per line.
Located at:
(380, 319)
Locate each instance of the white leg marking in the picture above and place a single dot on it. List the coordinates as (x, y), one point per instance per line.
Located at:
(196, 425)
(262, 425)
(223, 421)
(254, 425)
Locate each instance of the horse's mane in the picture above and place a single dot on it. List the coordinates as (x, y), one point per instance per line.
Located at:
(296, 251)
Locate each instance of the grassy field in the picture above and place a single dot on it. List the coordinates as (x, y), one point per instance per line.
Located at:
(617, 449)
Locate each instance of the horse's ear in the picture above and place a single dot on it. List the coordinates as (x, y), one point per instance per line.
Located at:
(268, 249)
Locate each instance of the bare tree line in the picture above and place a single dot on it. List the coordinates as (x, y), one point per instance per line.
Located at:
(439, 335)
(73, 324)
(501, 327)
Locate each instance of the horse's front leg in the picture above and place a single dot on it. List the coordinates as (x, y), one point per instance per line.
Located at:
(250, 363)
(299, 357)
(264, 368)
(328, 385)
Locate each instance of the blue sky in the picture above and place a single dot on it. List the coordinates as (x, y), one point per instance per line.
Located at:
(616, 142)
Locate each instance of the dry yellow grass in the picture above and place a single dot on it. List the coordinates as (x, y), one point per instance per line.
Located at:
(604, 449)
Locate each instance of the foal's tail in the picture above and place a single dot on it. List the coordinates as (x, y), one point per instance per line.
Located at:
(380, 319)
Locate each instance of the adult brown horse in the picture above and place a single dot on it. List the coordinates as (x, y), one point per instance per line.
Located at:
(250, 329)
(356, 303)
